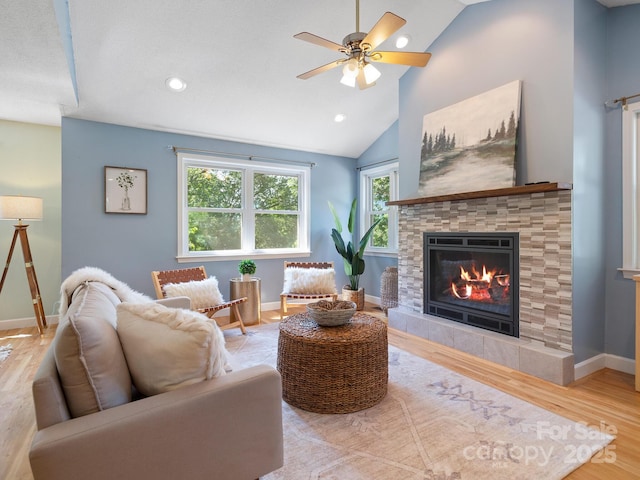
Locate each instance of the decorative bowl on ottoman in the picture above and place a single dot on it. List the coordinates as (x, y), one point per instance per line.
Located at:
(331, 314)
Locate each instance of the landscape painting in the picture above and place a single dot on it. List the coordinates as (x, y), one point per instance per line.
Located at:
(471, 145)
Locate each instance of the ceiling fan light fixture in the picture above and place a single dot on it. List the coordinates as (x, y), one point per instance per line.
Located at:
(349, 73)
(350, 67)
(348, 80)
(371, 74)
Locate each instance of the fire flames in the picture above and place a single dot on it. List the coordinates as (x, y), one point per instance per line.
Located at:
(490, 285)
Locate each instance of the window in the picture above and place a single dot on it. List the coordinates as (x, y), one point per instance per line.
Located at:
(237, 208)
(377, 186)
(630, 193)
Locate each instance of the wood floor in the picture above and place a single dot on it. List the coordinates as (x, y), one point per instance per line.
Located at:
(606, 396)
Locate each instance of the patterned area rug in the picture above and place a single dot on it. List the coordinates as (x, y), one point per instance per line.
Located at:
(5, 351)
(433, 424)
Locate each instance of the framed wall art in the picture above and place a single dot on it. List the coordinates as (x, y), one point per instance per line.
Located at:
(471, 145)
(125, 190)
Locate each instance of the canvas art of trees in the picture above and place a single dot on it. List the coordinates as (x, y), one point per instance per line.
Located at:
(471, 145)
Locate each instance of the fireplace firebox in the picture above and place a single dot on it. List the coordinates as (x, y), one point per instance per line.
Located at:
(472, 278)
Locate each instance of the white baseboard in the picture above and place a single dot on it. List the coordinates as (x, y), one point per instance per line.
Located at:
(371, 299)
(589, 366)
(25, 322)
(270, 306)
(605, 360)
(621, 364)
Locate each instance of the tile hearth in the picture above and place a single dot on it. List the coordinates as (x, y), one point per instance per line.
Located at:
(519, 354)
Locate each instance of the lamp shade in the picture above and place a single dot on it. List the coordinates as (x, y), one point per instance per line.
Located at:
(17, 207)
(371, 74)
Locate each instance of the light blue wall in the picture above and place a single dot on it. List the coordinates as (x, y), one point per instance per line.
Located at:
(622, 63)
(486, 46)
(384, 148)
(588, 179)
(131, 246)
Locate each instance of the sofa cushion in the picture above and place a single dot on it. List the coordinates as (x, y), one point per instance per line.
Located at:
(203, 293)
(90, 362)
(309, 280)
(167, 348)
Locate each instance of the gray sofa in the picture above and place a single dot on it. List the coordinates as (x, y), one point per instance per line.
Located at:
(229, 427)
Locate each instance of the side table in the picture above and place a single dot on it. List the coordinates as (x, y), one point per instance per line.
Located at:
(340, 369)
(251, 309)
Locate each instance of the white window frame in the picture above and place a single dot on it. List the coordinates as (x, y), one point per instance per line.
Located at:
(366, 177)
(630, 193)
(248, 167)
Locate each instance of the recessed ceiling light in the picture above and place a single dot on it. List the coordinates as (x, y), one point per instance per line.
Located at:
(339, 118)
(402, 41)
(176, 84)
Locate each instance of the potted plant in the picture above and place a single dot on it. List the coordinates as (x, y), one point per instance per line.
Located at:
(247, 268)
(353, 259)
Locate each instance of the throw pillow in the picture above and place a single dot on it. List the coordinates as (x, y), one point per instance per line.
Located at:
(203, 293)
(309, 280)
(167, 348)
(90, 362)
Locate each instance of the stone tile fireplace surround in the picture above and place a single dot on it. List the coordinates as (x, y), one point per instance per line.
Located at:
(541, 214)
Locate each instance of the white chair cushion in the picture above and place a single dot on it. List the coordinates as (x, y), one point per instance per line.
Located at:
(309, 280)
(203, 293)
(167, 348)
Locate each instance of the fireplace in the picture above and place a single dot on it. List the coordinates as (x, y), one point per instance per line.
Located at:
(541, 215)
(473, 278)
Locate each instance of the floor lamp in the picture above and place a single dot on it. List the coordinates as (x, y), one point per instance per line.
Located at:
(15, 207)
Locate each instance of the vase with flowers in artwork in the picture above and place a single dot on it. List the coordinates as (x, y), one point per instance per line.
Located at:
(125, 181)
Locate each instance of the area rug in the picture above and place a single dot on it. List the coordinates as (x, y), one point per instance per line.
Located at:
(5, 351)
(433, 424)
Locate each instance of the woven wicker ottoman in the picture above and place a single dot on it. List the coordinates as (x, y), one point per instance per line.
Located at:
(333, 369)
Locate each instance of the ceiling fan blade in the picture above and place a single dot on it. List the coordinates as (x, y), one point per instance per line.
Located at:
(323, 68)
(316, 40)
(414, 59)
(388, 24)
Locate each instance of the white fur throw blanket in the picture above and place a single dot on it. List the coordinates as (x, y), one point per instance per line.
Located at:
(93, 274)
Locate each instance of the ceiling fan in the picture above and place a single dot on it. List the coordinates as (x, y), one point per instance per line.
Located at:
(358, 47)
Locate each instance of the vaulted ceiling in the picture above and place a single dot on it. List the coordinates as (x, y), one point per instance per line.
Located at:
(108, 61)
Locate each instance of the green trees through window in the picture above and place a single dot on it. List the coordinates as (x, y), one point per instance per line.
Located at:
(381, 193)
(214, 200)
(379, 185)
(243, 207)
(275, 199)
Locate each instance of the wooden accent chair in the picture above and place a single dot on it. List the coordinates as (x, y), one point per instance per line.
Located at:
(161, 278)
(284, 296)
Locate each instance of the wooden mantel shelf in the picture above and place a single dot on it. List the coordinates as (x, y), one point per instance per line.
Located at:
(498, 192)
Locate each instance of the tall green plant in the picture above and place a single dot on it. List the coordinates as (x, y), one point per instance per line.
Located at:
(353, 259)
